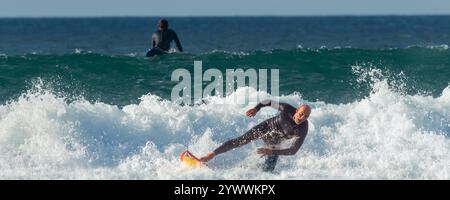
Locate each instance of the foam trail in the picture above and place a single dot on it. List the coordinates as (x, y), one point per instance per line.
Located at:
(387, 135)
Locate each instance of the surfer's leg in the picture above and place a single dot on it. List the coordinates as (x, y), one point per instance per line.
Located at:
(154, 51)
(269, 164)
(252, 134)
(151, 53)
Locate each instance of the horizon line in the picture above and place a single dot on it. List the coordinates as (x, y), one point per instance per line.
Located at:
(229, 16)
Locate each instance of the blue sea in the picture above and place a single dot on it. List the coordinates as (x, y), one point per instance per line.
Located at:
(79, 99)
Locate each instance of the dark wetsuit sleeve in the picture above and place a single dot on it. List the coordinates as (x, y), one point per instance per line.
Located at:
(294, 148)
(249, 136)
(273, 104)
(177, 41)
(153, 41)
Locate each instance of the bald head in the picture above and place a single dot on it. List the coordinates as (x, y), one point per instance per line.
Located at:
(302, 113)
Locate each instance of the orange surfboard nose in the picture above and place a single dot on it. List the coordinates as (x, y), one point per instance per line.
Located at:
(189, 159)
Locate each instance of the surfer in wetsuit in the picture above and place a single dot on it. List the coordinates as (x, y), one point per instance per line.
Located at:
(289, 123)
(162, 38)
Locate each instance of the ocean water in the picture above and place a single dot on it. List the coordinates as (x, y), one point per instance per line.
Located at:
(78, 99)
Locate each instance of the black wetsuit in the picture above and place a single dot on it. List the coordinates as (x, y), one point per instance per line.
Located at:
(161, 40)
(272, 131)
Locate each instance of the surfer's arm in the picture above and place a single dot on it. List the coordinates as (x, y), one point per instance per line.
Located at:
(252, 112)
(153, 40)
(273, 104)
(177, 42)
(293, 149)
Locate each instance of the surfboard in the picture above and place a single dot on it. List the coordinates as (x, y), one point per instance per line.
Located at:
(188, 159)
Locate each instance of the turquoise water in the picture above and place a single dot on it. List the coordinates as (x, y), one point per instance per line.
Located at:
(318, 74)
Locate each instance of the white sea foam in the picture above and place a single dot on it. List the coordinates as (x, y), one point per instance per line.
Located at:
(440, 47)
(387, 135)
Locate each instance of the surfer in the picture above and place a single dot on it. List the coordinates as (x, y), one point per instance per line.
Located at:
(162, 38)
(290, 123)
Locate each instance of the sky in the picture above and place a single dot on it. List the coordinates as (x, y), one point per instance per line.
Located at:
(80, 8)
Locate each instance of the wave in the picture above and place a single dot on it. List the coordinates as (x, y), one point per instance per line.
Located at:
(431, 50)
(319, 74)
(385, 135)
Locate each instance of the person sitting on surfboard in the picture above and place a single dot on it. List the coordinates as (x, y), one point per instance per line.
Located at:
(289, 123)
(162, 38)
